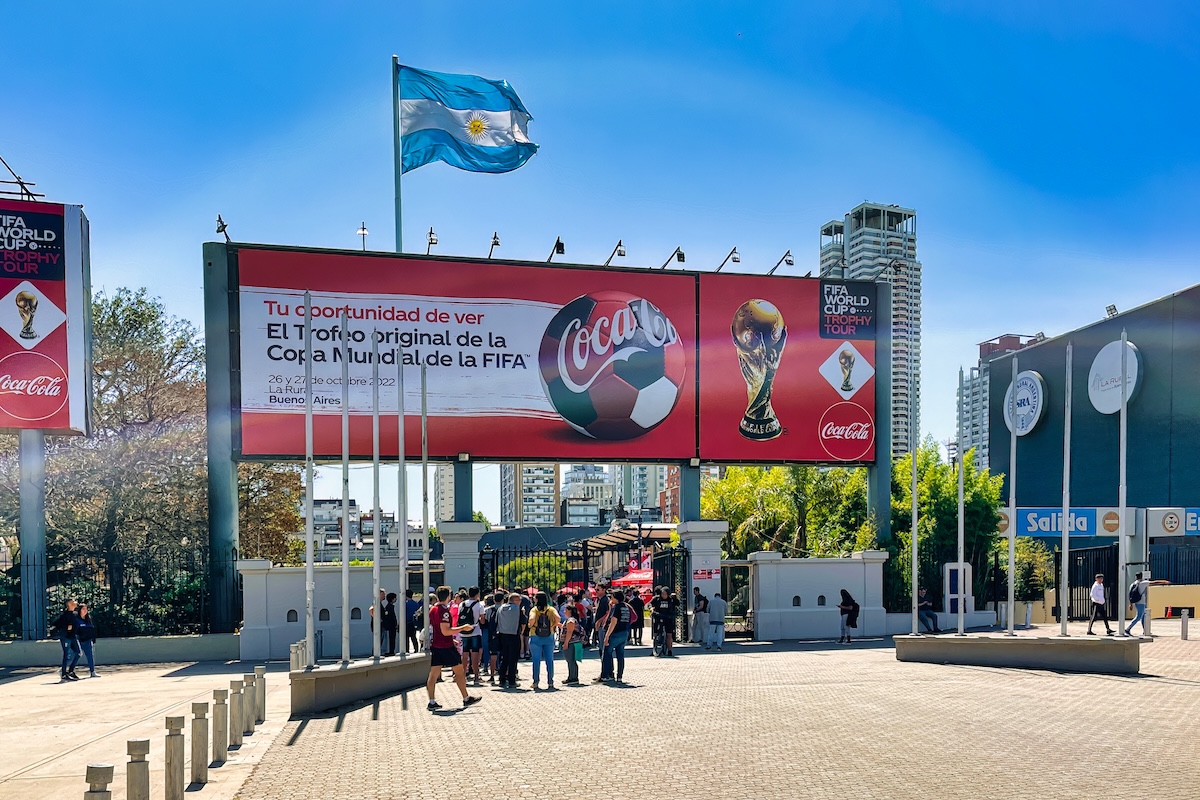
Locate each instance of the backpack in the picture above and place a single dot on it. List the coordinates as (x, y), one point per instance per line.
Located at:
(1135, 593)
(489, 618)
(466, 614)
(542, 627)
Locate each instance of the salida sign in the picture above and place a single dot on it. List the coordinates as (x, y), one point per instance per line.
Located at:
(43, 315)
(535, 361)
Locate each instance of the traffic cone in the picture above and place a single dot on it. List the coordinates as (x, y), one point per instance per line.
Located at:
(1168, 612)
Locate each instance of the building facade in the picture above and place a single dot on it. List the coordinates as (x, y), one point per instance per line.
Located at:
(443, 492)
(529, 494)
(876, 242)
(590, 481)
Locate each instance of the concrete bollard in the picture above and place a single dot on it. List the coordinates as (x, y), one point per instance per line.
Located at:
(200, 743)
(137, 771)
(1183, 621)
(174, 762)
(98, 777)
(294, 663)
(249, 702)
(220, 743)
(235, 713)
(260, 692)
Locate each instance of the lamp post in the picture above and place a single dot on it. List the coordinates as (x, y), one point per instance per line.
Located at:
(618, 251)
(785, 259)
(733, 256)
(430, 241)
(558, 249)
(362, 231)
(495, 243)
(676, 254)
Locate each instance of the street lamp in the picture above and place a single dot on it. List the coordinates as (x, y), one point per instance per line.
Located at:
(733, 256)
(618, 251)
(495, 243)
(558, 249)
(676, 254)
(431, 240)
(786, 259)
(222, 227)
(362, 231)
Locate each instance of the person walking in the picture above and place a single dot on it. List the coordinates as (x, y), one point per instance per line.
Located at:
(1099, 609)
(511, 623)
(716, 622)
(615, 635)
(491, 634)
(572, 641)
(699, 616)
(390, 624)
(444, 653)
(87, 638)
(639, 617)
(543, 624)
(66, 629)
(848, 609)
(1138, 591)
(470, 612)
(413, 623)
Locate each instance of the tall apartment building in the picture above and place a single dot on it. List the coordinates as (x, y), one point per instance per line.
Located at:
(529, 494)
(879, 242)
(972, 406)
(443, 492)
(638, 485)
(591, 481)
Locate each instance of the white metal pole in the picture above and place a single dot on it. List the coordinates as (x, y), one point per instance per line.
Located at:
(913, 444)
(1065, 524)
(425, 493)
(962, 593)
(345, 487)
(1012, 500)
(377, 521)
(401, 495)
(1122, 542)
(309, 483)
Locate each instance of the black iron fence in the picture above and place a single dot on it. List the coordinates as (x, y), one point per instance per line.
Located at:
(1174, 563)
(141, 593)
(1085, 564)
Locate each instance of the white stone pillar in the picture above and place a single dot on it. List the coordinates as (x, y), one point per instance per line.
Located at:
(461, 553)
(872, 617)
(702, 540)
(254, 638)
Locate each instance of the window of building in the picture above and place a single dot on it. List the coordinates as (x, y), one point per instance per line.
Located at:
(323, 615)
(292, 616)
(356, 613)
(796, 600)
(821, 600)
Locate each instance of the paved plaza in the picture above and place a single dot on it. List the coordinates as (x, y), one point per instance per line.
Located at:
(767, 721)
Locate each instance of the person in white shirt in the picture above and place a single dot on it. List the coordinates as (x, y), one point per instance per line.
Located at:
(1098, 609)
(1142, 587)
(716, 622)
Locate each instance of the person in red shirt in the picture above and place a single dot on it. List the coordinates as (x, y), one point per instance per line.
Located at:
(443, 652)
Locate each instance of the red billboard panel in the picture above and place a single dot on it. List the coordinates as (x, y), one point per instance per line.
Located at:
(523, 361)
(787, 369)
(45, 334)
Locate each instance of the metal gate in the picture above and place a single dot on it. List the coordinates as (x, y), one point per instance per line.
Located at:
(1085, 565)
(671, 571)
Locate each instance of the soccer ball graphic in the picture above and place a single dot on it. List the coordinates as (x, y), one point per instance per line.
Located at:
(612, 365)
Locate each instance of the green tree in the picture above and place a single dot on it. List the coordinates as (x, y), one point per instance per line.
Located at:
(545, 571)
(478, 516)
(1034, 567)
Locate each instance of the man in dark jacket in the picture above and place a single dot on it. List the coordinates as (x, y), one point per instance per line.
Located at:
(66, 628)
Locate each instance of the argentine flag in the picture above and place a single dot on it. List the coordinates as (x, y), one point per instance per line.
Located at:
(469, 122)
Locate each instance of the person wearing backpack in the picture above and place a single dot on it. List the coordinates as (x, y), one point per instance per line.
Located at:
(543, 624)
(572, 641)
(1137, 600)
(469, 613)
(613, 638)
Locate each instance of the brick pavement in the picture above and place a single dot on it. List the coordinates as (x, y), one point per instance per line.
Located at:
(792, 720)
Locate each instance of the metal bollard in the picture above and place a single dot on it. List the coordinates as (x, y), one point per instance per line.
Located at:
(260, 693)
(200, 743)
(137, 771)
(248, 704)
(235, 713)
(98, 777)
(1183, 621)
(220, 742)
(174, 761)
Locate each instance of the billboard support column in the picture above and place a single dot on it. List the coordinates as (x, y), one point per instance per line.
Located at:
(879, 474)
(222, 469)
(463, 491)
(32, 456)
(689, 492)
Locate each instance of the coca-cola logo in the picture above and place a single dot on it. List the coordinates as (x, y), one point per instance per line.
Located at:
(33, 386)
(846, 431)
(587, 351)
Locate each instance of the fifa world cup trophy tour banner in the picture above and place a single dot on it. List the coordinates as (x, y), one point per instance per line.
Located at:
(524, 362)
(787, 369)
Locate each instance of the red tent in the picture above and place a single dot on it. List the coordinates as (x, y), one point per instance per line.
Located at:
(637, 577)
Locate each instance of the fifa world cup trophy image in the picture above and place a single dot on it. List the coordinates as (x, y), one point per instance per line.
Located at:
(759, 335)
(846, 362)
(27, 304)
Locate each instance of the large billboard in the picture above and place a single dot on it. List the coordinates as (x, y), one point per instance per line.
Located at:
(45, 316)
(531, 361)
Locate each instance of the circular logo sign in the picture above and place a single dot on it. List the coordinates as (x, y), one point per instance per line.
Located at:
(1002, 523)
(1111, 521)
(1104, 379)
(846, 431)
(1027, 400)
(1170, 522)
(32, 386)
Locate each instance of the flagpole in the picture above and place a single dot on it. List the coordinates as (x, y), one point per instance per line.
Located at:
(398, 158)
(425, 494)
(1065, 524)
(1012, 500)
(402, 494)
(377, 522)
(309, 480)
(346, 488)
(961, 512)
(1122, 542)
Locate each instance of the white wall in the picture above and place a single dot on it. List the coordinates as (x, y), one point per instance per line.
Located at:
(777, 583)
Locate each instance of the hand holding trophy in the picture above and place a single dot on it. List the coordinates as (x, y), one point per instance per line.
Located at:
(759, 335)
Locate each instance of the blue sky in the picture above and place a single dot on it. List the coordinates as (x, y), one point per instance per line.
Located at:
(1048, 148)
